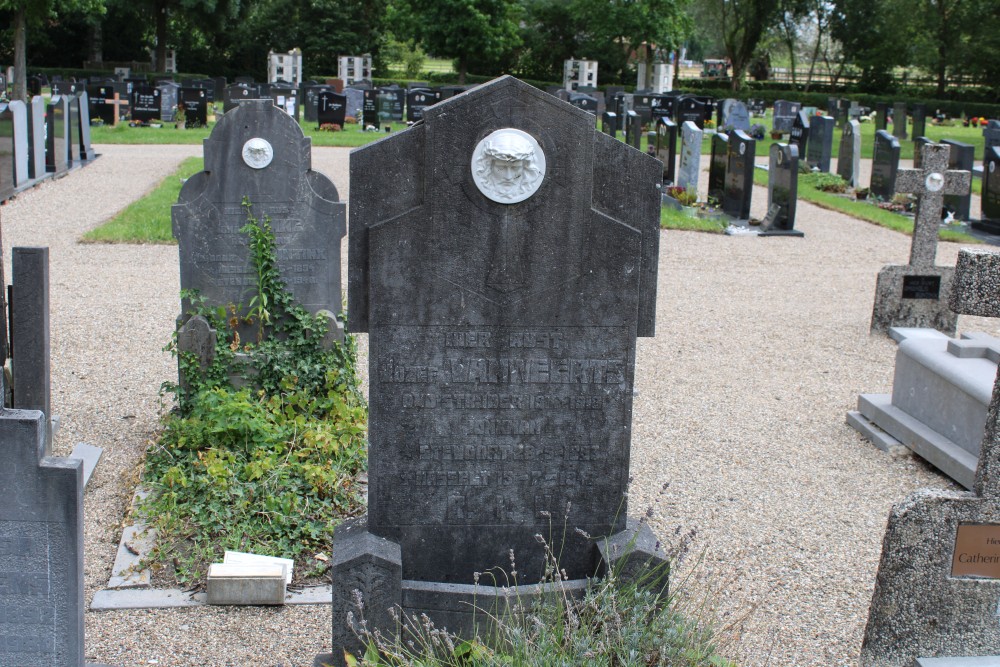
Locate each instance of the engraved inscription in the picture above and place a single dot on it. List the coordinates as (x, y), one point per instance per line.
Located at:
(30, 577)
(921, 287)
(977, 551)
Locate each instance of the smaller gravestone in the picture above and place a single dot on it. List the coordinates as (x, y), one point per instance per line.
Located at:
(6, 152)
(991, 136)
(782, 190)
(784, 116)
(662, 106)
(799, 133)
(739, 175)
(285, 98)
(609, 123)
(690, 165)
(36, 138)
(718, 159)
(666, 147)
(885, 165)
(145, 104)
(390, 101)
(849, 155)
(370, 115)
(355, 102)
(692, 109)
(633, 130)
(58, 135)
(194, 102)
(820, 148)
(234, 94)
(733, 115)
(961, 157)
(916, 295)
(169, 92)
(918, 149)
(331, 108)
(87, 152)
(585, 102)
(939, 575)
(919, 116)
(310, 104)
(73, 131)
(881, 116)
(418, 99)
(991, 191)
(899, 120)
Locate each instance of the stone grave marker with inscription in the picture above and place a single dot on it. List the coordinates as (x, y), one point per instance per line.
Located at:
(991, 136)
(331, 108)
(588, 103)
(355, 102)
(899, 120)
(234, 94)
(961, 157)
(885, 165)
(194, 101)
(57, 134)
(286, 98)
(662, 106)
(690, 108)
(783, 190)
(73, 131)
(991, 191)
(6, 152)
(36, 138)
(938, 581)
(739, 175)
(501, 372)
(633, 129)
(849, 156)
(609, 124)
(87, 152)
(169, 96)
(718, 159)
(259, 152)
(310, 103)
(799, 133)
(144, 101)
(733, 115)
(784, 115)
(820, 148)
(390, 101)
(418, 99)
(916, 295)
(881, 116)
(690, 163)
(666, 147)
(370, 115)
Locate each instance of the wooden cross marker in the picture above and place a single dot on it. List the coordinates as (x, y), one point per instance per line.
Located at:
(117, 102)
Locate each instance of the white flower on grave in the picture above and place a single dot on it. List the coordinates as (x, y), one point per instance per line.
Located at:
(508, 166)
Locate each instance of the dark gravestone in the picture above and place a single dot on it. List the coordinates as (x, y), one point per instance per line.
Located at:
(919, 115)
(29, 330)
(690, 162)
(784, 115)
(259, 152)
(918, 147)
(331, 109)
(916, 295)
(782, 190)
(885, 164)
(707, 106)
(390, 102)
(58, 135)
(235, 94)
(34, 86)
(370, 115)
(73, 135)
(799, 133)
(938, 581)
(83, 129)
(144, 102)
(286, 98)
(98, 95)
(609, 124)
(718, 159)
(849, 155)
(991, 136)
(962, 157)
(218, 88)
(22, 153)
(586, 103)
(169, 98)
(843, 111)
(642, 105)
(66, 87)
(487, 348)
(881, 116)
(194, 101)
(733, 115)
(991, 189)
(6, 152)
(739, 175)
(691, 109)
(899, 120)
(310, 101)
(820, 148)
(36, 137)
(832, 106)
(419, 99)
(633, 130)
(662, 106)
(666, 147)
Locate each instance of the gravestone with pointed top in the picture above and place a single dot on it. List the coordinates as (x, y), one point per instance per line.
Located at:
(782, 190)
(849, 155)
(885, 165)
(916, 295)
(961, 157)
(717, 167)
(690, 162)
(938, 581)
(666, 147)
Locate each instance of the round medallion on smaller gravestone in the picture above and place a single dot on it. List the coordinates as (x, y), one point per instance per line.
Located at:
(257, 153)
(743, 149)
(508, 166)
(934, 182)
(993, 167)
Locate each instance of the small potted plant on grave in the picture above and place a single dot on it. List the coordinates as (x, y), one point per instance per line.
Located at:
(682, 199)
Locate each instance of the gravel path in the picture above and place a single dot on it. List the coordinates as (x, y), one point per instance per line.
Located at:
(762, 346)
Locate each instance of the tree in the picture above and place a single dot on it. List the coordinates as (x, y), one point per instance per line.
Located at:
(876, 36)
(741, 25)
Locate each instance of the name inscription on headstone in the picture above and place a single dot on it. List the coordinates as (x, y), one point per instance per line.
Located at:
(921, 287)
(977, 551)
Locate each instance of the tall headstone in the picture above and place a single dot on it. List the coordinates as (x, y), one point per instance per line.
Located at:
(194, 101)
(885, 165)
(73, 134)
(609, 124)
(849, 155)
(19, 142)
(503, 345)
(259, 152)
(991, 189)
(962, 157)
(355, 102)
(718, 160)
(87, 152)
(690, 164)
(899, 120)
(939, 575)
(881, 116)
(784, 115)
(36, 137)
(739, 175)
(820, 147)
(782, 190)
(916, 295)
(918, 150)
(733, 115)
(370, 115)
(310, 100)
(57, 134)
(30, 367)
(169, 99)
(7, 167)
(666, 147)
(331, 108)
(799, 133)
(633, 130)
(144, 101)
(919, 115)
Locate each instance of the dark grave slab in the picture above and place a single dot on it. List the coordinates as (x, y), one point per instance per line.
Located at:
(820, 147)
(235, 94)
(739, 175)
(662, 106)
(881, 116)
(991, 189)
(991, 136)
(370, 115)
(718, 159)
(918, 148)
(259, 152)
(633, 130)
(36, 137)
(586, 103)
(919, 116)
(6, 152)
(194, 102)
(782, 190)
(169, 99)
(899, 120)
(58, 134)
(609, 124)
(885, 165)
(310, 101)
(390, 103)
(502, 372)
(938, 579)
(691, 109)
(67, 87)
(87, 152)
(332, 108)
(355, 101)
(286, 99)
(22, 153)
(418, 99)
(690, 163)
(733, 115)
(849, 155)
(145, 104)
(799, 134)
(757, 107)
(843, 111)
(905, 295)
(666, 147)
(73, 136)
(784, 115)
(962, 157)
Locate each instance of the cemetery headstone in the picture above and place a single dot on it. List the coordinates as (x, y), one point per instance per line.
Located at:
(962, 157)
(218, 88)
(310, 101)
(692, 109)
(145, 104)
(73, 134)
(799, 133)
(586, 103)
(66, 87)
(169, 97)
(690, 165)
(881, 116)
(642, 105)
(418, 99)
(57, 134)
(849, 155)
(739, 175)
(919, 115)
(899, 120)
(34, 86)
(87, 152)
(666, 147)
(782, 190)
(332, 108)
(938, 578)
(991, 190)
(482, 325)
(918, 148)
(31, 387)
(36, 137)
(708, 107)
(662, 106)
(258, 152)
(733, 115)
(885, 165)
(355, 102)
(22, 153)
(784, 115)
(916, 295)
(6, 152)
(991, 136)
(718, 159)
(390, 101)
(235, 94)
(844, 111)
(633, 130)
(820, 148)
(370, 115)
(609, 123)
(286, 98)
(194, 101)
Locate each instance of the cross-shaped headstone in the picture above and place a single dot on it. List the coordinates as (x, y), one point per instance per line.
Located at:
(916, 295)
(117, 103)
(938, 583)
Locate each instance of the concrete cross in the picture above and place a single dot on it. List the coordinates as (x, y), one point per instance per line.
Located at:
(118, 103)
(930, 183)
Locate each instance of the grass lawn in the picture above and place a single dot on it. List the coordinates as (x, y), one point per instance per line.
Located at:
(673, 219)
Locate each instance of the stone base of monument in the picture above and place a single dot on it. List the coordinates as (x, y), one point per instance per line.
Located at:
(908, 296)
(940, 395)
(368, 587)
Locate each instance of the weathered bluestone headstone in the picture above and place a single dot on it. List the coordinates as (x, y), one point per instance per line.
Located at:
(919, 116)
(57, 134)
(916, 295)
(666, 147)
(784, 115)
(690, 164)
(849, 155)
(488, 349)
(899, 120)
(257, 151)
(718, 159)
(799, 134)
(733, 115)
(36, 137)
(633, 129)
(739, 175)
(783, 190)
(962, 156)
(991, 186)
(885, 165)
(938, 580)
(820, 148)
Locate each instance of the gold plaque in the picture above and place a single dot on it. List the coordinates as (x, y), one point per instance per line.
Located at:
(977, 551)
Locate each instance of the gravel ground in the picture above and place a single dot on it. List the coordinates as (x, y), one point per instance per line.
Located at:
(762, 346)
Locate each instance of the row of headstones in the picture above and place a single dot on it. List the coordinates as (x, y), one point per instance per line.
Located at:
(41, 139)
